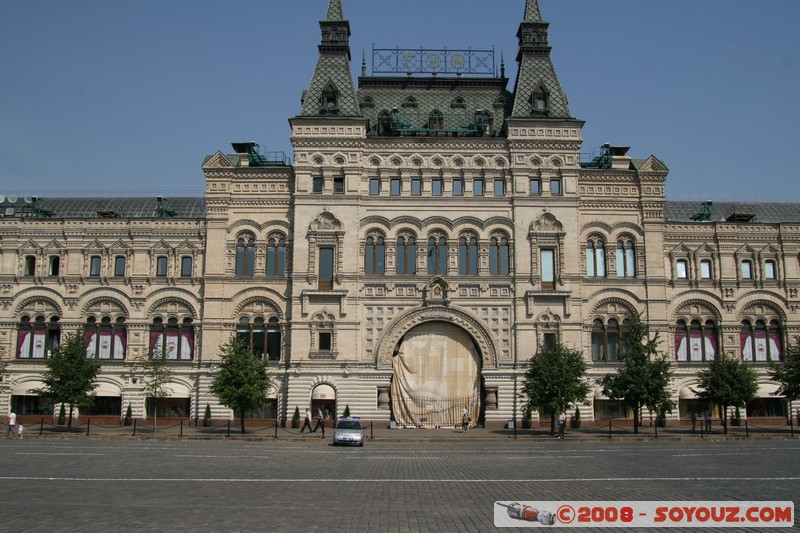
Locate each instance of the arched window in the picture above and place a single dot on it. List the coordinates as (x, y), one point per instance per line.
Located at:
(761, 343)
(435, 120)
(384, 123)
(437, 254)
(330, 98)
(695, 342)
(626, 259)
(468, 255)
(245, 256)
(375, 255)
(499, 256)
(172, 340)
(104, 340)
(595, 257)
(276, 256)
(254, 334)
(605, 341)
(483, 121)
(406, 262)
(36, 340)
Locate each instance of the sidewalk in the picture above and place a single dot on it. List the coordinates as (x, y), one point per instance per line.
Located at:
(380, 432)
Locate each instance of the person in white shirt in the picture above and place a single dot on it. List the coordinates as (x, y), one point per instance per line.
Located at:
(12, 424)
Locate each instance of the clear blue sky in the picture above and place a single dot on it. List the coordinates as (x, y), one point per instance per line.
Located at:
(112, 97)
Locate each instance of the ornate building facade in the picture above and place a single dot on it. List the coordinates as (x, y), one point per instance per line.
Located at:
(434, 230)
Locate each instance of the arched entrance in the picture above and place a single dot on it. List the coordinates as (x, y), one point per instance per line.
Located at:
(436, 373)
(324, 397)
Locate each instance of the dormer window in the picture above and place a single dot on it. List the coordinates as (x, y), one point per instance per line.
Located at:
(435, 120)
(410, 102)
(458, 103)
(540, 104)
(330, 99)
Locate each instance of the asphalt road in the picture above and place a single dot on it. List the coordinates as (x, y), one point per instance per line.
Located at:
(111, 485)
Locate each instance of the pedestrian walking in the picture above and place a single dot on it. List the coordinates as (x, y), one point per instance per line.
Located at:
(465, 420)
(562, 422)
(307, 423)
(694, 420)
(320, 420)
(12, 424)
(20, 429)
(708, 421)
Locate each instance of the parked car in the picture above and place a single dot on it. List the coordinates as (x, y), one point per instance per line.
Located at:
(348, 431)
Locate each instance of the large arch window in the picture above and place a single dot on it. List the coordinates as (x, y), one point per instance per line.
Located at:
(38, 338)
(437, 254)
(468, 255)
(595, 257)
(264, 339)
(406, 262)
(626, 258)
(696, 342)
(106, 340)
(375, 255)
(173, 340)
(605, 341)
(276, 256)
(759, 342)
(245, 256)
(499, 256)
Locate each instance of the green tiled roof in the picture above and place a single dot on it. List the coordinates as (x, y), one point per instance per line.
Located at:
(532, 11)
(763, 213)
(333, 69)
(97, 207)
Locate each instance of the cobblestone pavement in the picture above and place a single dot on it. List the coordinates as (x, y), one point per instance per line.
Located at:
(447, 485)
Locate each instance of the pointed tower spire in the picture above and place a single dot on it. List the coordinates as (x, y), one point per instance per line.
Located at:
(335, 11)
(332, 91)
(537, 92)
(532, 11)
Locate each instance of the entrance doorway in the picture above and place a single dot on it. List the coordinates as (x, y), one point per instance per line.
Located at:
(436, 376)
(324, 397)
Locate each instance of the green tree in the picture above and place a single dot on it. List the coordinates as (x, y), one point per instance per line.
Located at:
(644, 379)
(787, 374)
(727, 382)
(156, 377)
(70, 375)
(554, 380)
(243, 379)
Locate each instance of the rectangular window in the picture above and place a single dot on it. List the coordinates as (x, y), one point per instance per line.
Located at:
(338, 185)
(549, 340)
(394, 187)
(747, 270)
(318, 184)
(477, 187)
(499, 187)
(119, 266)
(535, 186)
(705, 269)
(416, 187)
(458, 187)
(548, 269)
(555, 187)
(161, 266)
(186, 267)
(324, 341)
(769, 270)
(30, 265)
(55, 266)
(94, 265)
(681, 269)
(374, 186)
(326, 268)
(436, 187)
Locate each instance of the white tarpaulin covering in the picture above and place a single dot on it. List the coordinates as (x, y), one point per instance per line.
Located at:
(436, 375)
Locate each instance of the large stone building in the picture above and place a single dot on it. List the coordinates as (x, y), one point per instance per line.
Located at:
(434, 229)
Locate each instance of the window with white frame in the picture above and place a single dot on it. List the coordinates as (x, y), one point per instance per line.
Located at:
(770, 271)
(746, 269)
(705, 269)
(626, 258)
(595, 257)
